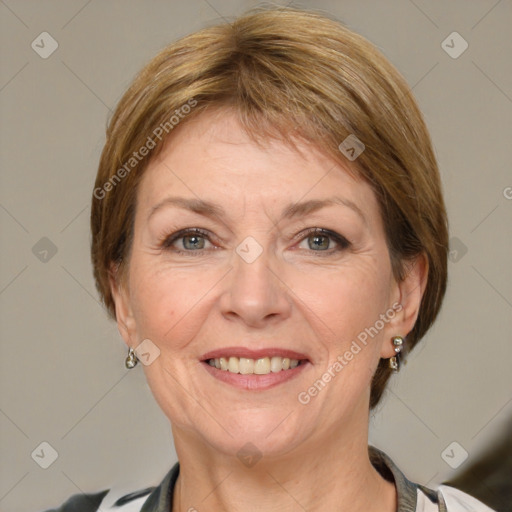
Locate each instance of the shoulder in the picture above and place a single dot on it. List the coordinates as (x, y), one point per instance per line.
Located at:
(104, 501)
(81, 503)
(455, 500)
(150, 499)
(447, 499)
(413, 497)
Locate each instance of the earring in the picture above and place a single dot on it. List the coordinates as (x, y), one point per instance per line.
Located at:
(131, 360)
(394, 362)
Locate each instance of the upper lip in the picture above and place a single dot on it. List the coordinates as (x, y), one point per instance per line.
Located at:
(253, 354)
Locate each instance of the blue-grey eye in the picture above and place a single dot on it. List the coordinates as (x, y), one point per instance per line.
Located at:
(320, 242)
(193, 242)
(187, 240)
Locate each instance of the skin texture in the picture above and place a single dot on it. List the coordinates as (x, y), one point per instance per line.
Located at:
(293, 296)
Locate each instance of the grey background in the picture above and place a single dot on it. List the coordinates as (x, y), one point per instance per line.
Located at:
(62, 371)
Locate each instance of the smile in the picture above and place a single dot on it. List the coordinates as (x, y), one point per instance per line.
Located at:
(254, 370)
(261, 366)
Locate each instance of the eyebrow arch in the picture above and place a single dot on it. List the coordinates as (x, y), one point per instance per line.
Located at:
(306, 207)
(196, 205)
(209, 209)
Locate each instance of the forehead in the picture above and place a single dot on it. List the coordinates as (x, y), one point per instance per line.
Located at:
(211, 157)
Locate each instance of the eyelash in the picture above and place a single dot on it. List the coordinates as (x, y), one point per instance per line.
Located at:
(168, 241)
(340, 240)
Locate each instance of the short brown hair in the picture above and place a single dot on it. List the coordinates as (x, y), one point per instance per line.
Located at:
(288, 74)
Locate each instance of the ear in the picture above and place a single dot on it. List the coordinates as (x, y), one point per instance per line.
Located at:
(124, 314)
(407, 295)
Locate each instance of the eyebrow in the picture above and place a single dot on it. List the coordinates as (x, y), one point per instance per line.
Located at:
(291, 211)
(307, 207)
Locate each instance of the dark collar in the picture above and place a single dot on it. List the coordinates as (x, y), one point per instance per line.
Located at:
(407, 491)
(160, 499)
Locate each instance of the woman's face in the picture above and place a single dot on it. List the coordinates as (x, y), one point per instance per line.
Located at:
(259, 256)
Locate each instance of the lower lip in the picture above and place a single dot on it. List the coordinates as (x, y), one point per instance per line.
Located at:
(254, 382)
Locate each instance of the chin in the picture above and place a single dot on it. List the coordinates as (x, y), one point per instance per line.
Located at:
(264, 433)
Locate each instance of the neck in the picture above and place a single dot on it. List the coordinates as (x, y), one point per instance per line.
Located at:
(317, 476)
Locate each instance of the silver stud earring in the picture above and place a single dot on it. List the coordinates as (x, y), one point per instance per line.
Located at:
(131, 360)
(394, 362)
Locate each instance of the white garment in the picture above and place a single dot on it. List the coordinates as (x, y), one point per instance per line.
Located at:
(114, 494)
(456, 501)
(412, 497)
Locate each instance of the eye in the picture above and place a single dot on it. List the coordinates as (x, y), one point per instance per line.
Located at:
(324, 240)
(187, 240)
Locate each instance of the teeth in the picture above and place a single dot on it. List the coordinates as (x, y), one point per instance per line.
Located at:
(262, 366)
(234, 365)
(276, 364)
(246, 366)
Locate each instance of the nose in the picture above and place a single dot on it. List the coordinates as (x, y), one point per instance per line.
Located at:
(255, 294)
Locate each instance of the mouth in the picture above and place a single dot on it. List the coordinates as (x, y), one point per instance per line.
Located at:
(261, 366)
(253, 369)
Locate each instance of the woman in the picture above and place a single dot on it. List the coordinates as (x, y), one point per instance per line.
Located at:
(269, 233)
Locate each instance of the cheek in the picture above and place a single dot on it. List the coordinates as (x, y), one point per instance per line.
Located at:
(169, 303)
(344, 307)
(346, 301)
